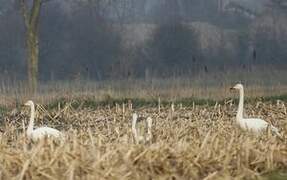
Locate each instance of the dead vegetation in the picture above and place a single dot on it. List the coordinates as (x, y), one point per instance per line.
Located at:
(196, 142)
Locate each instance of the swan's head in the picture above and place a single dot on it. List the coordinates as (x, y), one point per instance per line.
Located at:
(29, 103)
(237, 86)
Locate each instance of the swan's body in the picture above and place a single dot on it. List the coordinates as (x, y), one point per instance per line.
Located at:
(141, 138)
(255, 125)
(42, 132)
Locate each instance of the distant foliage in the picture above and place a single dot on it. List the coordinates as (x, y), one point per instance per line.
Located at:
(87, 39)
(172, 49)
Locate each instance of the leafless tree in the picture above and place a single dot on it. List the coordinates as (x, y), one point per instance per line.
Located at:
(31, 16)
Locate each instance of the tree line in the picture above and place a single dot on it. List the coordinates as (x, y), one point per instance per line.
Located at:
(93, 39)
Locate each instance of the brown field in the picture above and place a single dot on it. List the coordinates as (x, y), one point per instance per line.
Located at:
(194, 142)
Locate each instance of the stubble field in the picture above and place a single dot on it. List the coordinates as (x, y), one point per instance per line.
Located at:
(191, 142)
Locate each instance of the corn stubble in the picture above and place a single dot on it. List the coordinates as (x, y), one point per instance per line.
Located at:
(198, 142)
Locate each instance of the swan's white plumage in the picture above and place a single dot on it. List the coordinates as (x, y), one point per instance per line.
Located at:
(255, 125)
(149, 125)
(134, 130)
(42, 132)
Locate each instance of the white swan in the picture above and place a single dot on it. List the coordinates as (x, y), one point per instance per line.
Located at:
(253, 124)
(42, 132)
(149, 124)
(141, 138)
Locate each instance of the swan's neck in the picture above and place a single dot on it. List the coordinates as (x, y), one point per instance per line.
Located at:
(31, 122)
(239, 115)
(149, 130)
(134, 130)
(149, 125)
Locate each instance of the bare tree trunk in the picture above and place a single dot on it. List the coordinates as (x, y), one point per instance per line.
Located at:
(32, 61)
(31, 19)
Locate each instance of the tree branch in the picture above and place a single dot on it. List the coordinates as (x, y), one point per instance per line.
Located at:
(25, 13)
(35, 11)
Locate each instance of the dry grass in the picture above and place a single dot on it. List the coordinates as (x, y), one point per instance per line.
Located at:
(198, 142)
(265, 81)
